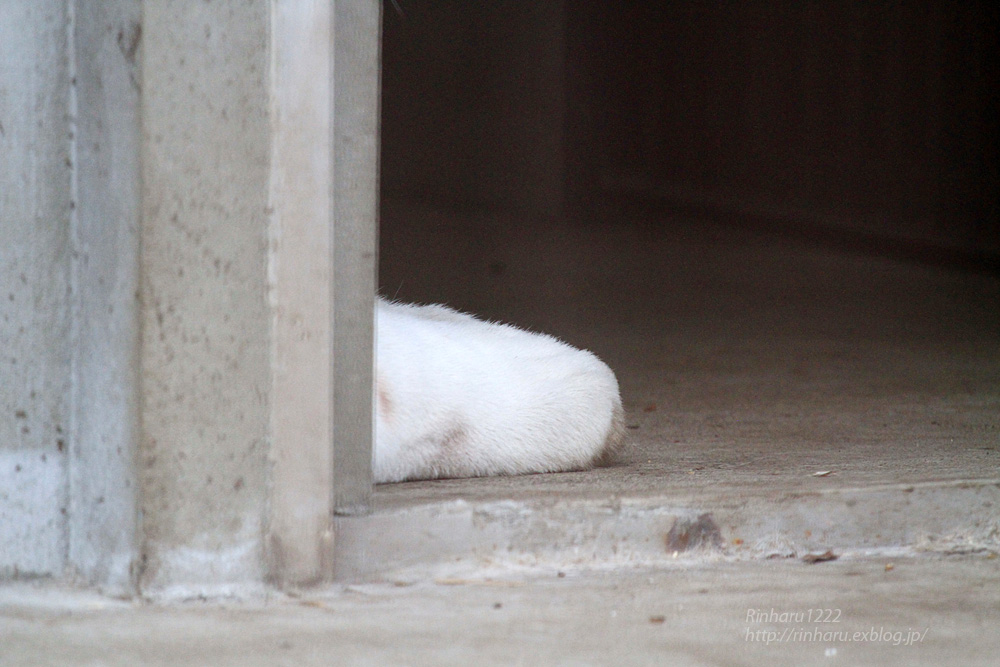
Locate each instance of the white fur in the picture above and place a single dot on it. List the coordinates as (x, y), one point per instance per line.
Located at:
(460, 397)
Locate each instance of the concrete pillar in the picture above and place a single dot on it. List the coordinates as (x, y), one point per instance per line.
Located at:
(103, 545)
(69, 194)
(173, 326)
(355, 121)
(299, 535)
(206, 385)
(35, 327)
(258, 275)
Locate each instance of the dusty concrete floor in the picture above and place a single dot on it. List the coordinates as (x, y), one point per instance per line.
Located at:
(745, 362)
(925, 611)
(748, 364)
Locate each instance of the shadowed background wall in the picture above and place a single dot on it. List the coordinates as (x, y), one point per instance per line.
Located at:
(867, 124)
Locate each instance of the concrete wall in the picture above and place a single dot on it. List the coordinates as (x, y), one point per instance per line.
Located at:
(103, 484)
(853, 116)
(35, 214)
(167, 272)
(299, 537)
(204, 360)
(857, 120)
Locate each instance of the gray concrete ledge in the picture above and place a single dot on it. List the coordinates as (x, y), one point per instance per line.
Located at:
(456, 537)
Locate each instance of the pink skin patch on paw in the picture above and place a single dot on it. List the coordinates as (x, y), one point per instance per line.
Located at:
(384, 400)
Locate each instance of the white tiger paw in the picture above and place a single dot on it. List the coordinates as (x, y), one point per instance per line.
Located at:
(460, 397)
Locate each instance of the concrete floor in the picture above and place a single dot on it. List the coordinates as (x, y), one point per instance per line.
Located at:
(784, 400)
(803, 398)
(927, 611)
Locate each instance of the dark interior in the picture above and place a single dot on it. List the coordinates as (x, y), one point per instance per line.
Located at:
(777, 221)
(872, 126)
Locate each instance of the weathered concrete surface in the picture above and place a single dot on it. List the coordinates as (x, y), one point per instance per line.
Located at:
(205, 319)
(35, 351)
(69, 134)
(103, 484)
(458, 537)
(882, 611)
(301, 502)
(137, 422)
(356, 44)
